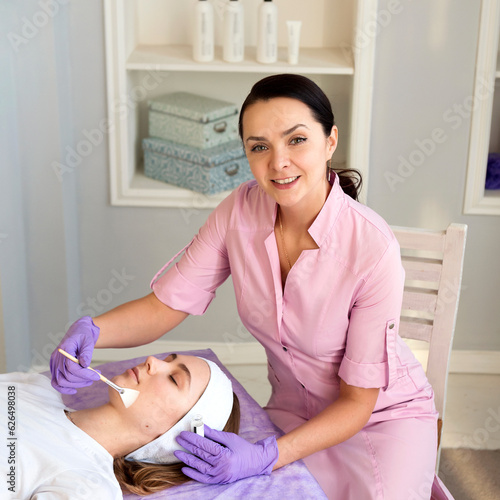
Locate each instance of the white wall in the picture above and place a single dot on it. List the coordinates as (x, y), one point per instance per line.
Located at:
(423, 80)
(32, 252)
(62, 245)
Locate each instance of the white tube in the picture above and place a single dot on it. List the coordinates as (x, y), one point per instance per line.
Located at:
(203, 32)
(293, 28)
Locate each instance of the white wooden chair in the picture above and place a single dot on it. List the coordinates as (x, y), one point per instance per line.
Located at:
(433, 262)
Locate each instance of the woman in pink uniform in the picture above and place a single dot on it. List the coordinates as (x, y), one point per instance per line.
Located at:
(319, 282)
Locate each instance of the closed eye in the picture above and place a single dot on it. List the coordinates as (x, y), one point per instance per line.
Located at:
(173, 380)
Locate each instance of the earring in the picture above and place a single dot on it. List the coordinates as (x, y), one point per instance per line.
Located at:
(329, 170)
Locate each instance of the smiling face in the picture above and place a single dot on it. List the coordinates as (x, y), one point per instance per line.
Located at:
(287, 151)
(168, 389)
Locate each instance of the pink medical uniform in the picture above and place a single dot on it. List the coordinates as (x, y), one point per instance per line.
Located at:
(337, 317)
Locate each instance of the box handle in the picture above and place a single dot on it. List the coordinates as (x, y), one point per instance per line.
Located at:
(220, 127)
(232, 170)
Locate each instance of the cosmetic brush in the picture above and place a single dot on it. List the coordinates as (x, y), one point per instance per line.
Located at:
(128, 395)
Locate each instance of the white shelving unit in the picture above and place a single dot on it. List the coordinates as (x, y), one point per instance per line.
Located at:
(478, 200)
(148, 53)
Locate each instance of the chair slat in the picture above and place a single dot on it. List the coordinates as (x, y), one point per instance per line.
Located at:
(409, 328)
(420, 269)
(420, 300)
(416, 239)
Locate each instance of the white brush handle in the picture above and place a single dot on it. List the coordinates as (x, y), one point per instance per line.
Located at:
(101, 376)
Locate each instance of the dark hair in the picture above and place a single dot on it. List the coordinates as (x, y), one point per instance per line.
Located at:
(306, 91)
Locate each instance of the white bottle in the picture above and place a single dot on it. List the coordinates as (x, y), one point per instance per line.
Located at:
(267, 41)
(234, 32)
(203, 31)
(197, 425)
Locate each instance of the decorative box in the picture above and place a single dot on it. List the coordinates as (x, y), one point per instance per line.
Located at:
(198, 121)
(207, 171)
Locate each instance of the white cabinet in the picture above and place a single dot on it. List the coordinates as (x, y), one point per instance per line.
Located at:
(485, 117)
(148, 53)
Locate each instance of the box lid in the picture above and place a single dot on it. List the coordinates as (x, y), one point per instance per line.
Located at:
(193, 106)
(209, 157)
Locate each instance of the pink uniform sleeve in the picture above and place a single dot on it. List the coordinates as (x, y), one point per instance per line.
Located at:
(190, 285)
(371, 345)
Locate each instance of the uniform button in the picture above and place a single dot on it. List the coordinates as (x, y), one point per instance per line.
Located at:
(285, 349)
(391, 326)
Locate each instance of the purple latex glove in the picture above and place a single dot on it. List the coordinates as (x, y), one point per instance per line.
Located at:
(234, 458)
(79, 341)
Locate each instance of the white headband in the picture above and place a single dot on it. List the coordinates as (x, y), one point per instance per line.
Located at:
(215, 406)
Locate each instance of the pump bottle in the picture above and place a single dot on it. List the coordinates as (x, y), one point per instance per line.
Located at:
(234, 36)
(203, 31)
(267, 36)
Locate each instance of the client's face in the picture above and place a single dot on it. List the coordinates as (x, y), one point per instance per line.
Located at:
(168, 389)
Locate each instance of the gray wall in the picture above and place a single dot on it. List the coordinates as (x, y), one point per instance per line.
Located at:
(424, 77)
(62, 246)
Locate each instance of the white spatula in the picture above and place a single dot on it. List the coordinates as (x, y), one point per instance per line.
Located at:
(128, 395)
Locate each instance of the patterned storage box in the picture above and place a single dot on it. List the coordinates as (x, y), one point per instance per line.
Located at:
(192, 119)
(207, 171)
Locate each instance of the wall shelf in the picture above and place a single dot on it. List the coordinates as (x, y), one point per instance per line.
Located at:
(478, 200)
(320, 61)
(148, 53)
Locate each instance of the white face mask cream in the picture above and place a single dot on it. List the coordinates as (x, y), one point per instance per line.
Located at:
(293, 28)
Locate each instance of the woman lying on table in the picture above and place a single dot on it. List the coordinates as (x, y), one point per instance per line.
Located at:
(59, 453)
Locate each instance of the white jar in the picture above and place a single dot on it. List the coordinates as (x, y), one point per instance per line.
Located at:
(267, 36)
(203, 31)
(234, 32)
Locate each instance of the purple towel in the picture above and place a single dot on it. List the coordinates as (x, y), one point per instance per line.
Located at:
(493, 171)
(292, 481)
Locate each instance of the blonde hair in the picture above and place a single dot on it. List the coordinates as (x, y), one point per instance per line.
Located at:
(143, 478)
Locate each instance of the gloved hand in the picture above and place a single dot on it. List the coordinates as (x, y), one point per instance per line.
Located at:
(234, 458)
(79, 341)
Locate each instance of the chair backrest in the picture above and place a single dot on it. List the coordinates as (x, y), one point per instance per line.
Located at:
(433, 262)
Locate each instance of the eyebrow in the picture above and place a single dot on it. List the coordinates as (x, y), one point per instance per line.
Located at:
(182, 366)
(285, 133)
